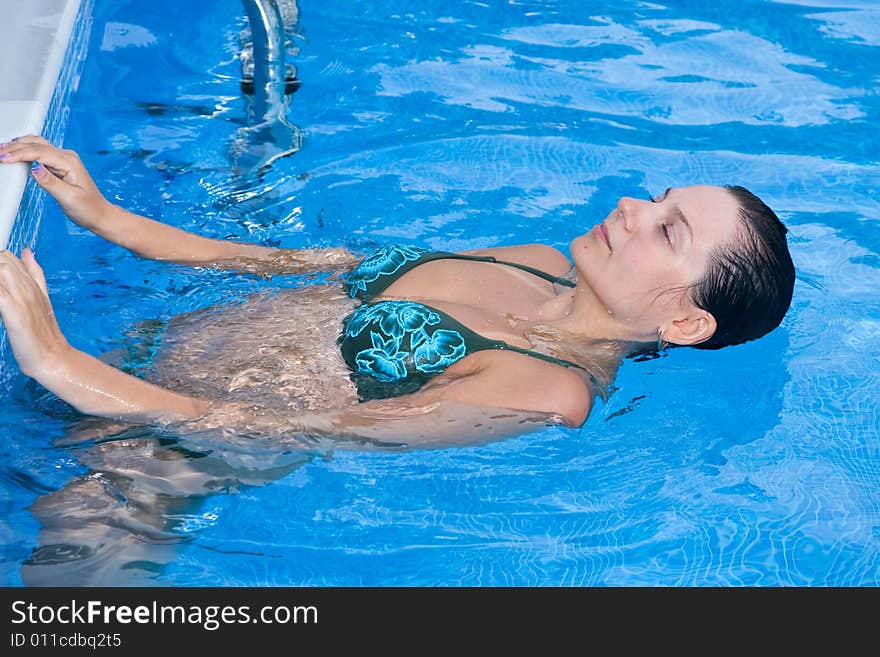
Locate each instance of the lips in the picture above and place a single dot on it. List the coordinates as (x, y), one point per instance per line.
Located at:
(603, 231)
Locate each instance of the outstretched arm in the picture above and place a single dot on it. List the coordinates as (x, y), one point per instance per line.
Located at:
(487, 396)
(62, 174)
(86, 383)
(484, 397)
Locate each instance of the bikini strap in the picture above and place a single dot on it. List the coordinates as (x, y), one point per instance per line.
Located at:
(477, 342)
(381, 269)
(500, 344)
(532, 270)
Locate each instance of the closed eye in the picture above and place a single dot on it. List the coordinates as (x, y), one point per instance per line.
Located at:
(665, 228)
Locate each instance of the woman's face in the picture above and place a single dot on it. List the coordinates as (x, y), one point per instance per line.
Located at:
(640, 260)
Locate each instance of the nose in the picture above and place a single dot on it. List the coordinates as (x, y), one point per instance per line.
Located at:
(631, 212)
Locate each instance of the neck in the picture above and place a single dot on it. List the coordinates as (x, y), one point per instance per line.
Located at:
(579, 312)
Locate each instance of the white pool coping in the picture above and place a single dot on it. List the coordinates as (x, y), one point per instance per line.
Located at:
(35, 35)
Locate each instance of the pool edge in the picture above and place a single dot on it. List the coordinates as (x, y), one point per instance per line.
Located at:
(41, 108)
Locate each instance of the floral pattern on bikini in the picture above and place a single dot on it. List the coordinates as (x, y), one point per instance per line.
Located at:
(440, 350)
(398, 331)
(384, 261)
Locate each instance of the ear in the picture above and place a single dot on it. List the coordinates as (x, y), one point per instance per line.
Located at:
(693, 329)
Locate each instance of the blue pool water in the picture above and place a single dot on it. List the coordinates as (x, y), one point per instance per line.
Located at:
(475, 124)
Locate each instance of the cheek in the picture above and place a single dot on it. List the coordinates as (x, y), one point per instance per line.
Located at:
(635, 279)
(650, 265)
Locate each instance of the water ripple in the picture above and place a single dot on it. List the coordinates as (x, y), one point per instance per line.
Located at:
(570, 168)
(723, 76)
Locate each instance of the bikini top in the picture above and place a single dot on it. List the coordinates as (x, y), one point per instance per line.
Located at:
(394, 347)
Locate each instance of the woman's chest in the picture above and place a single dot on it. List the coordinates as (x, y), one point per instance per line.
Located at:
(479, 290)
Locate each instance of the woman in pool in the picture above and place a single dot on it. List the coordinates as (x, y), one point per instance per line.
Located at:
(431, 348)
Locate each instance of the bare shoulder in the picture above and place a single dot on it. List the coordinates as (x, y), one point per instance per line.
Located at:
(507, 379)
(539, 256)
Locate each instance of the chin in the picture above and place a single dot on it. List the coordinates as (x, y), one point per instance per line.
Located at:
(579, 243)
(581, 247)
(582, 256)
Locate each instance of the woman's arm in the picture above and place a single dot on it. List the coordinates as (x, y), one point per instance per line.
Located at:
(484, 397)
(487, 396)
(155, 240)
(94, 388)
(86, 383)
(64, 176)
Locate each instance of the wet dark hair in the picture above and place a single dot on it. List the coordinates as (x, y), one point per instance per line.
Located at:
(749, 282)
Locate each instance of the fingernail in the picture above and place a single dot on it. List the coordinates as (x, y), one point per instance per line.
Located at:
(38, 169)
(3, 156)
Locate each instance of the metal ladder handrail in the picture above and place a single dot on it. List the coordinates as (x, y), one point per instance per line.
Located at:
(273, 81)
(270, 69)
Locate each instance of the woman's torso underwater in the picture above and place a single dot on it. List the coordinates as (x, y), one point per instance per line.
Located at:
(282, 348)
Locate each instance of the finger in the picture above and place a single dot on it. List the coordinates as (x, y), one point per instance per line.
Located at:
(29, 139)
(51, 183)
(18, 281)
(4, 267)
(18, 142)
(9, 273)
(54, 158)
(33, 268)
(10, 266)
(23, 142)
(17, 151)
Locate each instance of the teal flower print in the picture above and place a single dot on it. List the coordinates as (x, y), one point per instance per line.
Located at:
(394, 319)
(386, 360)
(438, 351)
(383, 261)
